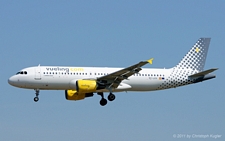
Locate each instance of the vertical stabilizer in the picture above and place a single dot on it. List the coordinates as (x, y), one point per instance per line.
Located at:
(195, 58)
(190, 68)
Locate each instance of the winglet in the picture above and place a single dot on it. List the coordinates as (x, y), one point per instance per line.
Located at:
(150, 60)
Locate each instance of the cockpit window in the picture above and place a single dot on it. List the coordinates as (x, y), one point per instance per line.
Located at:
(22, 72)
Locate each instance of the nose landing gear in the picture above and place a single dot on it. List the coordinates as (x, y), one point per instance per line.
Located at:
(36, 97)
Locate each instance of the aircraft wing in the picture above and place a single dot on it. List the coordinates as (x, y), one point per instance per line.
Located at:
(113, 80)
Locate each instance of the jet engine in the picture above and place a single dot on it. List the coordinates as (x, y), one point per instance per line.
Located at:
(82, 88)
(85, 86)
(74, 95)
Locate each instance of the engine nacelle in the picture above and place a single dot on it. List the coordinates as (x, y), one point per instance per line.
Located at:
(85, 86)
(74, 95)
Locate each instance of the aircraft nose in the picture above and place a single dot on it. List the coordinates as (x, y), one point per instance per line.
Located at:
(12, 80)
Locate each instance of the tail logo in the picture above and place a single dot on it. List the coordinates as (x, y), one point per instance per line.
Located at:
(197, 49)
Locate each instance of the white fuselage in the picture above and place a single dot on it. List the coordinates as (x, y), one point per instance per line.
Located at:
(59, 78)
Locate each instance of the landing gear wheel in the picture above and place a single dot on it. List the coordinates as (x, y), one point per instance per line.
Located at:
(36, 93)
(103, 102)
(36, 99)
(111, 97)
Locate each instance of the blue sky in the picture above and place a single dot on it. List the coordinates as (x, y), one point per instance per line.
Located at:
(112, 34)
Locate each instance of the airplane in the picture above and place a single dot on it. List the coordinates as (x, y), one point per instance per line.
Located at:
(82, 82)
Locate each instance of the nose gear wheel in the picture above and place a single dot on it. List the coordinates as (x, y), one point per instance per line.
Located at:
(37, 94)
(36, 99)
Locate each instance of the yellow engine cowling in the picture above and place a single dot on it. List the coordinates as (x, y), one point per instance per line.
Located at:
(86, 86)
(82, 88)
(74, 95)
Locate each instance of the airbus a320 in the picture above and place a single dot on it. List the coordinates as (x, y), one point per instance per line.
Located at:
(82, 82)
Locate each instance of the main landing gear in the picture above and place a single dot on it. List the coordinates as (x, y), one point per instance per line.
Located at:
(103, 101)
(36, 97)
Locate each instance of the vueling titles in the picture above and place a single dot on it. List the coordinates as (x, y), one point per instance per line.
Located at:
(64, 69)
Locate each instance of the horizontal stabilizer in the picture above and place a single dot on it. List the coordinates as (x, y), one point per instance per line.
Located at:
(203, 73)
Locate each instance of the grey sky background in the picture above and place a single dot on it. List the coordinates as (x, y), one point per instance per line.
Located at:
(110, 34)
